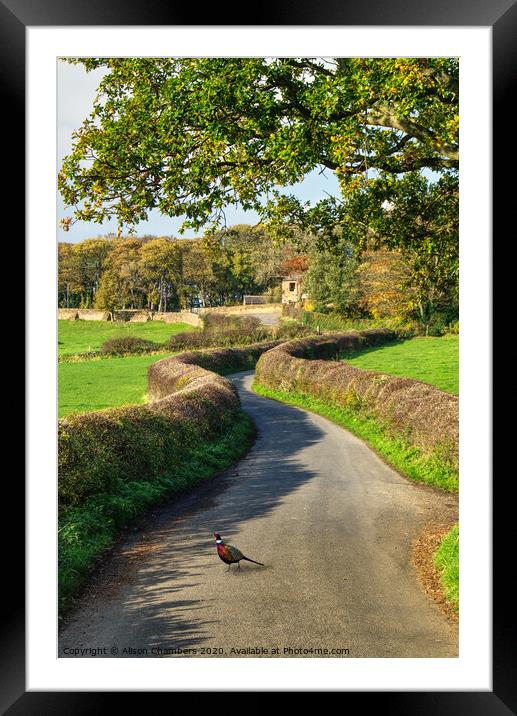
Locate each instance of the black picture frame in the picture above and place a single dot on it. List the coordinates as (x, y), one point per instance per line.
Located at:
(501, 16)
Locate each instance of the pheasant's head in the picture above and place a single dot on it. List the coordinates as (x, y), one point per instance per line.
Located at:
(217, 535)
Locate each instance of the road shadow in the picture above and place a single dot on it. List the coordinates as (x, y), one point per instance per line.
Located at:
(174, 545)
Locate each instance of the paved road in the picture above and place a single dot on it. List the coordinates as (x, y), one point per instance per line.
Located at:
(333, 525)
(267, 318)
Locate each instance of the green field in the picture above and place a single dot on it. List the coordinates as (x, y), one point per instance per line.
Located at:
(431, 360)
(84, 336)
(104, 383)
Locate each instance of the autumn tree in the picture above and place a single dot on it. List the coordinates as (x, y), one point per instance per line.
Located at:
(420, 220)
(112, 293)
(294, 263)
(124, 262)
(81, 267)
(65, 275)
(198, 276)
(331, 280)
(383, 278)
(161, 270)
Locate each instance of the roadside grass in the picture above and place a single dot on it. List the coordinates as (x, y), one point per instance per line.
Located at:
(431, 360)
(104, 383)
(405, 458)
(83, 336)
(87, 531)
(446, 561)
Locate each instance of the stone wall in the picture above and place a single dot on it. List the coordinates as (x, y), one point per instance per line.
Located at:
(232, 310)
(179, 317)
(143, 315)
(83, 314)
(130, 315)
(67, 314)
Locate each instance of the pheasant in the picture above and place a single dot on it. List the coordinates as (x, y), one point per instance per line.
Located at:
(230, 554)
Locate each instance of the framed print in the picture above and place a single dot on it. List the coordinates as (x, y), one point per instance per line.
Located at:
(47, 667)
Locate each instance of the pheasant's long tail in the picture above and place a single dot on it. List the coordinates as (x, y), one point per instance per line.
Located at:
(252, 560)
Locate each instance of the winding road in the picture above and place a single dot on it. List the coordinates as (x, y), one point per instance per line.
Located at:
(330, 520)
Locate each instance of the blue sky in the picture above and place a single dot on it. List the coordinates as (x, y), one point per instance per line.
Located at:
(75, 93)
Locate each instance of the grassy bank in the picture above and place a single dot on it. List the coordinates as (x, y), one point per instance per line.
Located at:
(446, 561)
(83, 336)
(405, 458)
(88, 530)
(431, 360)
(103, 383)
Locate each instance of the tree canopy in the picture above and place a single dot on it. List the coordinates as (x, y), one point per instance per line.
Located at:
(190, 136)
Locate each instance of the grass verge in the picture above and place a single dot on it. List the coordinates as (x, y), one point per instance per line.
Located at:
(87, 531)
(405, 458)
(446, 561)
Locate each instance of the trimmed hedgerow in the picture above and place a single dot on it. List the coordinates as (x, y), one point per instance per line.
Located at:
(115, 463)
(227, 331)
(166, 375)
(140, 442)
(421, 414)
(221, 322)
(208, 339)
(188, 403)
(88, 529)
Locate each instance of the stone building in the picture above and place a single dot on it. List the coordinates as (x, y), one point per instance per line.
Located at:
(292, 290)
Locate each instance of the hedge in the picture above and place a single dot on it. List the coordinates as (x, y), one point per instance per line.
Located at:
(189, 405)
(421, 414)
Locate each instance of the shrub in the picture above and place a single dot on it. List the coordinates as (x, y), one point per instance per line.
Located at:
(221, 330)
(288, 329)
(436, 326)
(123, 345)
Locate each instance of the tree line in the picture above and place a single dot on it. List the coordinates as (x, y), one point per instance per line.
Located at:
(167, 274)
(190, 136)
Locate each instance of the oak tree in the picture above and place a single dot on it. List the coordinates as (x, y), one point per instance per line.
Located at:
(190, 136)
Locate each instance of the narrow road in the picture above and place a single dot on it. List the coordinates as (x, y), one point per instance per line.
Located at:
(333, 525)
(267, 318)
